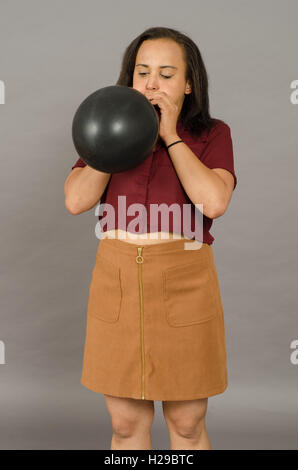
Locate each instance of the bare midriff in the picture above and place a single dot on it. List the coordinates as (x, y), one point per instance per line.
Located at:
(144, 238)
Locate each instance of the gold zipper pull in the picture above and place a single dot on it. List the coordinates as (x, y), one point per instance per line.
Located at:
(139, 258)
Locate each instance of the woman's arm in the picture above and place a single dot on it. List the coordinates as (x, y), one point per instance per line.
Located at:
(83, 188)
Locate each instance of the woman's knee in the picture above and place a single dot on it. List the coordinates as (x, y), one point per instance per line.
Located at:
(130, 416)
(186, 418)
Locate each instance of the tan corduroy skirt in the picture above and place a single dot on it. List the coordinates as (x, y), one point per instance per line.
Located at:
(155, 322)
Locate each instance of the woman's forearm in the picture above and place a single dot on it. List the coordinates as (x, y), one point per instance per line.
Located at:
(201, 184)
(83, 188)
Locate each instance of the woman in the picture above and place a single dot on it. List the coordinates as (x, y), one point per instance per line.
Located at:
(155, 322)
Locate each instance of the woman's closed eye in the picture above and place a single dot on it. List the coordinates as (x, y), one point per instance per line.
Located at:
(164, 76)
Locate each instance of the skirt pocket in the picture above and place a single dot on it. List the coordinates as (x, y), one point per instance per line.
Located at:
(189, 294)
(105, 292)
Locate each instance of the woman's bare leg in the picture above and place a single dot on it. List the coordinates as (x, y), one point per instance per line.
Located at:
(131, 422)
(186, 424)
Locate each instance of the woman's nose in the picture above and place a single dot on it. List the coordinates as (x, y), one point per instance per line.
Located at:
(152, 84)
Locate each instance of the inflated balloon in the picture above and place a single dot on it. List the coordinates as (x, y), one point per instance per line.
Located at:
(115, 129)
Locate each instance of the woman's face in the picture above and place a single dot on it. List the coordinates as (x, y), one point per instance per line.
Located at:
(151, 74)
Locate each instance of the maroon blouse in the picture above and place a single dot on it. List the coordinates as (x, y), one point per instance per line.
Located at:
(155, 181)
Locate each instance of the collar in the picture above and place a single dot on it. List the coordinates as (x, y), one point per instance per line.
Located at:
(184, 134)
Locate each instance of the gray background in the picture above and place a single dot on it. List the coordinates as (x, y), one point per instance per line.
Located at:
(53, 54)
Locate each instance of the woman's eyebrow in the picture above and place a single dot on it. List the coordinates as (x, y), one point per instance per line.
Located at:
(161, 66)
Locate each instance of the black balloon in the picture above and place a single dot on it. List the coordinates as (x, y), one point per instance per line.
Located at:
(115, 129)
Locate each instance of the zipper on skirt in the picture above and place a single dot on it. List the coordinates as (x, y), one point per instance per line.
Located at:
(139, 260)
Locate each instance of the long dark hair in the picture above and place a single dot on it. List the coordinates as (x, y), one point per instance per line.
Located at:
(194, 114)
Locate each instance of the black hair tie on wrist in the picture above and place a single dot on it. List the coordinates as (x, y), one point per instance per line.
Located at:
(177, 141)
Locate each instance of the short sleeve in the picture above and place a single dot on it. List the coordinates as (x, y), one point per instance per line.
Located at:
(79, 163)
(218, 152)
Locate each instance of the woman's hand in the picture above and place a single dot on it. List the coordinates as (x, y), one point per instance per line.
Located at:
(169, 113)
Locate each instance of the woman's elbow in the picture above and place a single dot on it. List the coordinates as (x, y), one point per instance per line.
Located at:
(72, 208)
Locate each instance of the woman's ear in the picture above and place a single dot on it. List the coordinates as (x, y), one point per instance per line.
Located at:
(188, 88)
